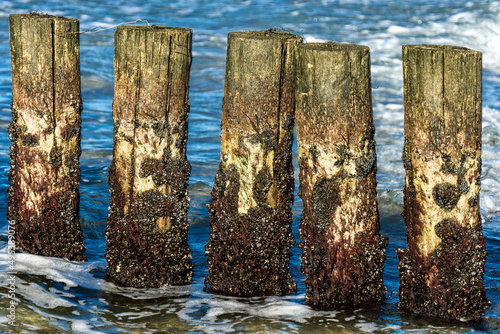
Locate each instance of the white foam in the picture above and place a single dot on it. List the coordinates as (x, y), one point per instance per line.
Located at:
(135, 315)
(219, 309)
(471, 29)
(313, 39)
(72, 274)
(491, 117)
(490, 178)
(152, 293)
(398, 30)
(82, 326)
(366, 327)
(40, 297)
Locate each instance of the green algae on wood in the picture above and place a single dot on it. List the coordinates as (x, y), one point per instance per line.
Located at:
(148, 177)
(248, 251)
(343, 253)
(441, 270)
(45, 135)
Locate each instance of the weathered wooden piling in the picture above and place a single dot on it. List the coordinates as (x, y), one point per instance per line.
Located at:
(441, 270)
(343, 253)
(45, 135)
(249, 246)
(148, 177)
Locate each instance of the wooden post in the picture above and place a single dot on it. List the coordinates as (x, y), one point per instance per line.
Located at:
(441, 270)
(45, 135)
(248, 251)
(148, 177)
(343, 253)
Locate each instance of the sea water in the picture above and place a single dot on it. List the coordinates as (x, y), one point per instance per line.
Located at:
(55, 295)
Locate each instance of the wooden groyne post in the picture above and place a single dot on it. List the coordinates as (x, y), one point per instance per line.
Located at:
(45, 135)
(249, 246)
(148, 177)
(343, 253)
(441, 270)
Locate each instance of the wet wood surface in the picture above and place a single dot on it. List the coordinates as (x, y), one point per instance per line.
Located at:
(147, 224)
(248, 252)
(45, 135)
(441, 270)
(343, 253)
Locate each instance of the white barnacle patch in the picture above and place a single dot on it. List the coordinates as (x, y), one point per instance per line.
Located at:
(249, 157)
(433, 190)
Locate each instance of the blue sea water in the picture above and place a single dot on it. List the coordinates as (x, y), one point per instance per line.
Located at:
(55, 295)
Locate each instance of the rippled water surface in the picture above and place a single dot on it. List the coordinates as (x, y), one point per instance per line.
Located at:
(57, 295)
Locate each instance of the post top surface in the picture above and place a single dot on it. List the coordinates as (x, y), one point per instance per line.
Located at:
(264, 34)
(441, 48)
(41, 15)
(153, 28)
(333, 46)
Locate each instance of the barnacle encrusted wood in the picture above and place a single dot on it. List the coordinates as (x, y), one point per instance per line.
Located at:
(343, 253)
(441, 270)
(45, 135)
(248, 251)
(148, 177)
